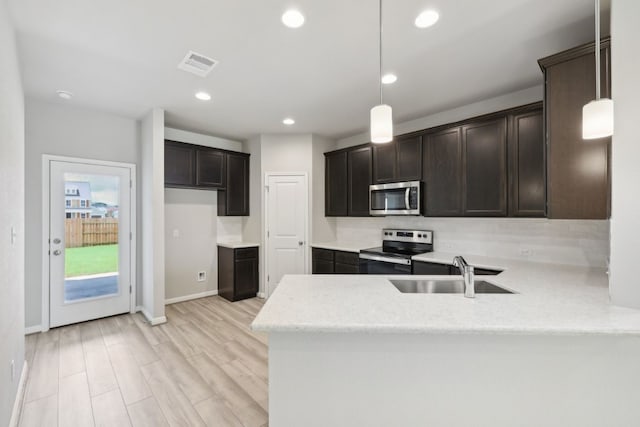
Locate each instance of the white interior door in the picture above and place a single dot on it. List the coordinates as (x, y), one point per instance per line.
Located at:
(287, 213)
(89, 241)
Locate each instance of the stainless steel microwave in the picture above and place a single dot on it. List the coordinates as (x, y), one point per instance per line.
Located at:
(398, 198)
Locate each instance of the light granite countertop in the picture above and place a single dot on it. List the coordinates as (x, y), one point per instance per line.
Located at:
(549, 299)
(238, 244)
(344, 246)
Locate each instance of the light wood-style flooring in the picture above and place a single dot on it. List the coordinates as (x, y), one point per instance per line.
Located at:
(204, 367)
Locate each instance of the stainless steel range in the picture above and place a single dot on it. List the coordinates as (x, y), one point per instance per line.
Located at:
(394, 256)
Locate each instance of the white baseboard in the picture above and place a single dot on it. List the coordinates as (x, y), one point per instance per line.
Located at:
(190, 297)
(32, 329)
(17, 404)
(262, 295)
(153, 321)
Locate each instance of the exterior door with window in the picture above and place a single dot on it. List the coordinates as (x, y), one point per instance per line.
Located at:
(89, 242)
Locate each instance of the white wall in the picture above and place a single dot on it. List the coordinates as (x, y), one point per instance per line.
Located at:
(12, 254)
(64, 130)
(152, 232)
(625, 209)
(322, 228)
(583, 243)
(201, 139)
(503, 102)
(193, 216)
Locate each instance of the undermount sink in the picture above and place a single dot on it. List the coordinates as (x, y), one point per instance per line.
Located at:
(446, 286)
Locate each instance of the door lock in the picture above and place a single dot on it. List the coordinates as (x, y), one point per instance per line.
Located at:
(57, 241)
(57, 252)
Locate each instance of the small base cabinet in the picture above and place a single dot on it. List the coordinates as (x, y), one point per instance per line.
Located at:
(237, 273)
(327, 261)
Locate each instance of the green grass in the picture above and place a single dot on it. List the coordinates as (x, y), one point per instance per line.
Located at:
(91, 260)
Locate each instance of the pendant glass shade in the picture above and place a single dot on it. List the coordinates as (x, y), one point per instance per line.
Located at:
(381, 124)
(597, 119)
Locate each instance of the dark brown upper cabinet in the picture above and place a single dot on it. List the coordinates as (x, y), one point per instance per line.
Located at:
(442, 173)
(336, 188)
(578, 170)
(210, 168)
(484, 146)
(527, 194)
(359, 172)
(179, 165)
(399, 160)
(234, 200)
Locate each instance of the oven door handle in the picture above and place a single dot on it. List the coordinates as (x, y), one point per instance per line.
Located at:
(402, 261)
(406, 198)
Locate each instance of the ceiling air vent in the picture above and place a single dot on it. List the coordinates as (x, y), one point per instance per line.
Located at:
(197, 64)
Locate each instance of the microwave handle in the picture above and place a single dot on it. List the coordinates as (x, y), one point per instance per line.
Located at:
(406, 198)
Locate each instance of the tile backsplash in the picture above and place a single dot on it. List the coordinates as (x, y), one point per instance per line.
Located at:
(574, 242)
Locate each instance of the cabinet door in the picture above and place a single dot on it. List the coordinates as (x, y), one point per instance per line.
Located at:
(237, 193)
(210, 168)
(384, 163)
(246, 283)
(443, 173)
(527, 165)
(578, 171)
(429, 268)
(179, 164)
(336, 194)
(359, 170)
(409, 159)
(321, 266)
(485, 168)
(346, 268)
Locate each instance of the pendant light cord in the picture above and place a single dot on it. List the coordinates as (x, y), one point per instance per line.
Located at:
(597, 48)
(380, 47)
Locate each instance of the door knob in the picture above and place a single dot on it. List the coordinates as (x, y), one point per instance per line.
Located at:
(57, 252)
(300, 243)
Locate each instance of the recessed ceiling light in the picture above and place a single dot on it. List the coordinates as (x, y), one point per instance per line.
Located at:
(288, 121)
(389, 78)
(293, 19)
(427, 19)
(203, 96)
(64, 94)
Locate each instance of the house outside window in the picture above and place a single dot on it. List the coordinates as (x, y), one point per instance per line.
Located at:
(69, 214)
(68, 203)
(82, 203)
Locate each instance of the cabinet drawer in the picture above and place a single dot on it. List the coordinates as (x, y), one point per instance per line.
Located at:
(429, 268)
(246, 253)
(350, 258)
(323, 254)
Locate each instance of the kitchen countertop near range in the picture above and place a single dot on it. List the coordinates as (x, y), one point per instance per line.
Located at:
(549, 299)
(344, 246)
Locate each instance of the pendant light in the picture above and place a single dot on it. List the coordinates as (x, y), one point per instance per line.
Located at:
(381, 115)
(597, 115)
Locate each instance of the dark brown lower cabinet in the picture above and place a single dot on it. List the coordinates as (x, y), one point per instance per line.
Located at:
(237, 273)
(437, 269)
(327, 261)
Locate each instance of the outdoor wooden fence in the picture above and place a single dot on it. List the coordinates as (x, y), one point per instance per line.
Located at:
(90, 232)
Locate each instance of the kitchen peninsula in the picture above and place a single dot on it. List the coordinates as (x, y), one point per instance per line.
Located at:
(555, 352)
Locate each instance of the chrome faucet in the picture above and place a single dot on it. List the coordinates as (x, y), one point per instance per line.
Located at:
(467, 274)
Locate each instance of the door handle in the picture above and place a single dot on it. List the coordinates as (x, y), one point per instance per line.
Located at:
(57, 252)
(406, 198)
(300, 243)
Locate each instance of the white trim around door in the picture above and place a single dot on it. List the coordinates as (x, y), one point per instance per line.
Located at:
(46, 175)
(268, 287)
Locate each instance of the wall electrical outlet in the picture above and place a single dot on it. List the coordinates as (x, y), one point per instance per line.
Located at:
(202, 276)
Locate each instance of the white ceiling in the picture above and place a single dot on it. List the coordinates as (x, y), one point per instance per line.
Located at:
(121, 56)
